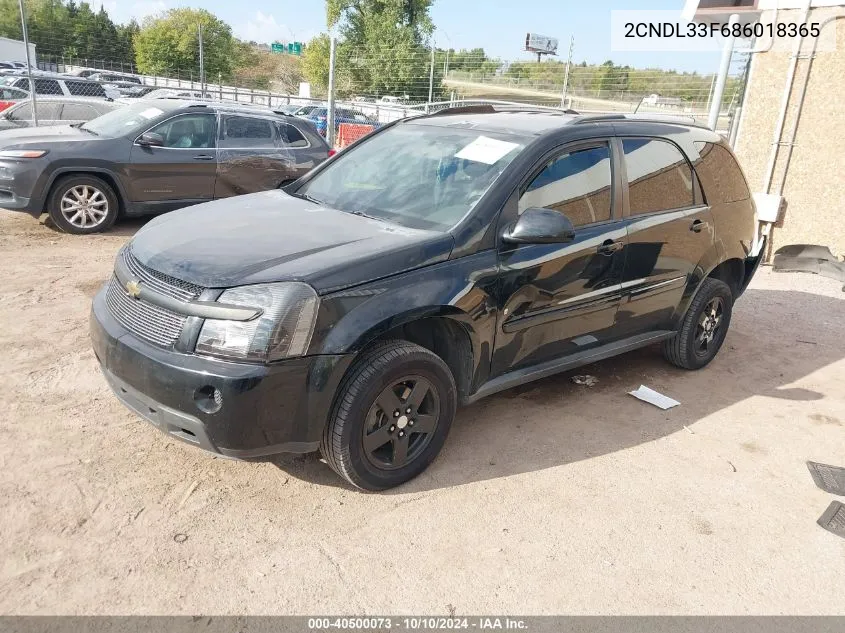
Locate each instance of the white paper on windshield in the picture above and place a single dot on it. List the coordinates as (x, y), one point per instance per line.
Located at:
(486, 150)
(151, 113)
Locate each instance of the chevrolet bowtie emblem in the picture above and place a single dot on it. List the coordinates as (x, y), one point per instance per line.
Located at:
(133, 289)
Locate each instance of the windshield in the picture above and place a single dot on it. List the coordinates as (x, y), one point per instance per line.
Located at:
(425, 177)
(304, 110)
(123, 120)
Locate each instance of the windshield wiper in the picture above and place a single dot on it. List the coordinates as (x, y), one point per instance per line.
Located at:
(305, 196)
(363, 215)
(80, 126)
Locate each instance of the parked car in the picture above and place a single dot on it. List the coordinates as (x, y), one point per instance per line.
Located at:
(151, 157)
(54, 111)
(442, 259)
(171, 93)
(342, 115)
(10, 96)
(108, 77)
(57, 85)
(286, 109)
(84, 72)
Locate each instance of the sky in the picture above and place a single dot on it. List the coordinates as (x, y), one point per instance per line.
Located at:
(498, 26)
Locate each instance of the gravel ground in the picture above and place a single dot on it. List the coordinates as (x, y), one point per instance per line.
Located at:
(550, 498)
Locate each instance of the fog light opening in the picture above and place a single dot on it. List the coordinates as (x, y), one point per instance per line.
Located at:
(208, 399)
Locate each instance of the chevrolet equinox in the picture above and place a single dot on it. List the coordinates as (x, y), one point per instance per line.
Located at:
(441, 259)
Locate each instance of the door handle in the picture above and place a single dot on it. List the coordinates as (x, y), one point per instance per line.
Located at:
(698, 225)
(203, 157)
(609, 247)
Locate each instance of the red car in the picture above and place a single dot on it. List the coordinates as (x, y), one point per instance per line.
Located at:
(10, 95)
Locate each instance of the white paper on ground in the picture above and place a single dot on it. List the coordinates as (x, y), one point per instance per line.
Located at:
(486, 150)
(652, 397)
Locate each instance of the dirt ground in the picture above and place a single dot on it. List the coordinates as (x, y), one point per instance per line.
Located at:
(550, 498)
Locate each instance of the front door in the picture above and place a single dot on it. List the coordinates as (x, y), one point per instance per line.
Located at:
(182, 171)
(558, 299)
(670, 230)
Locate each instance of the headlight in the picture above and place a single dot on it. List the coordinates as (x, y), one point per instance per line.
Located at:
(22, 153)
(283, 330)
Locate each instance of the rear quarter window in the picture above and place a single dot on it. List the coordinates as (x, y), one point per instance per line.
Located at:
(719, 174)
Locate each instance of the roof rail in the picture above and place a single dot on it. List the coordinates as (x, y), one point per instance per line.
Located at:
(488, 108)
(473, 109)
(682, 119)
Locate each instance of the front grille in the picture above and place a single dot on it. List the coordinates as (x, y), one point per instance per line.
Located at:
(165, 284)
(146, 321)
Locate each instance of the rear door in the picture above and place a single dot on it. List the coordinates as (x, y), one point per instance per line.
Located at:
(559, 299)
(181, 171)
(670, 230)
(253, 155)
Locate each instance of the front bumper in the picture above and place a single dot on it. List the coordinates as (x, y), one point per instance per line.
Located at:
(17, 183)
(266, 409)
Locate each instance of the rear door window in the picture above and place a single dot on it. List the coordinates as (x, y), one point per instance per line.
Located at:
(244, 132)
(78, 112)
(659, 176)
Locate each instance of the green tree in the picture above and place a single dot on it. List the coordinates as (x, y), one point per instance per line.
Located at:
(169, 43)
(315, 63)
(61, 28)
(383, 49)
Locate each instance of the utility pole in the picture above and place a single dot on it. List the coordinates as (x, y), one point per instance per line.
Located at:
(202, 61)
(566, 73)
(28, 65)
(330, 103)
(431, 79)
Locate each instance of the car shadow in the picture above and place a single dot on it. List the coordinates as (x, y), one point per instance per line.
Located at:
(126, 227)
(553, 422)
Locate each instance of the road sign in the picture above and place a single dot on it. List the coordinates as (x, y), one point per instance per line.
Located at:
(277, 48)
(295, 48)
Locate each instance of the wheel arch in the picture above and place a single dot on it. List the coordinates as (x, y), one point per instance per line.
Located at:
(106, 175)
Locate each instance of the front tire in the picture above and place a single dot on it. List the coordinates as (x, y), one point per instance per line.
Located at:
(391, 416)
(703, 328)
(82, 205)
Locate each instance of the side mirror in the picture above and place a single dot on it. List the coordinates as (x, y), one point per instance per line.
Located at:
(540, 226)
(151, 139)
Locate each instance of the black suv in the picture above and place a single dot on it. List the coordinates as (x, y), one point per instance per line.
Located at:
(152, 156)
(441, 259)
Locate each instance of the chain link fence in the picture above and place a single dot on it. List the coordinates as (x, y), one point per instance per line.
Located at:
(371, 86)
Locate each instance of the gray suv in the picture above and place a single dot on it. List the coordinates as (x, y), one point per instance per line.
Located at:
(150, 157)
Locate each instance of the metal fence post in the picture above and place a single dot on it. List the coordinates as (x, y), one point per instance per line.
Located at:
(330, 104)
(28, 64)
(220, 85)
(430, 79)
(724, 68)
(566, 73)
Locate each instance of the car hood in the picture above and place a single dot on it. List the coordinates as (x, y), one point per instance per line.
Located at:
(49, 134)
(272, 236)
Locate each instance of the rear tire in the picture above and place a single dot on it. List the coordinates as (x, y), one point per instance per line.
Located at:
(703, 328)
(82, 205)
(391, 416)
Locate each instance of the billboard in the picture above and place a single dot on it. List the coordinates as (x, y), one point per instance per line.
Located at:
(540, 44)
